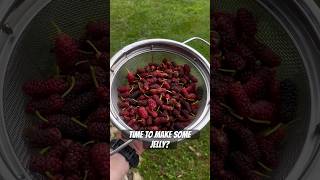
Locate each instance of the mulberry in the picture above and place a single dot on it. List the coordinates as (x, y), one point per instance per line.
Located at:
(72, 160)
(96, 30)
(59, 149)
(41, 88)
(50, 105)
(43, 137)
(247, 55)
(143, 112)
(220, 141)
(239, 98)
(268, 57)
(80, 105)
(83, 82)
(68, 127)
(217, 163)
(42, 164)
(246, 138)
(246, 22)
(263, 110)
(66, 51)
(99, 130)
(100, 115)
(269, 156)
(234, 61)
(242, 163)
(100, 158)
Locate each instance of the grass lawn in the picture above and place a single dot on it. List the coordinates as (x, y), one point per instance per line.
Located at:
(133, 20)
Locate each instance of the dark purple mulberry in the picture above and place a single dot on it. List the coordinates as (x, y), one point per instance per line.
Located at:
(263, 110)
(242, 163)
(234, 61)
(80, 105)
(59, 149)
(99, 130)
(246, 138)
(50, 105)
(42, 164)
(239, 98)
(72, 160)
(43, 137)
(100, 158)
(83, 82)
(246, 22)
(41, 88)
(66, 51)
(100, 115)
(67, 126)
(220, 141)
(95, 30)
(269, 155)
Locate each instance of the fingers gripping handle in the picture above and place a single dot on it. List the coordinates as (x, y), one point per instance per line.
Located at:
(121, 147)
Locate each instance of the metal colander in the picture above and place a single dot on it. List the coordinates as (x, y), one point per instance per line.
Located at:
(280, 27)
(30, 58)
(140, 54)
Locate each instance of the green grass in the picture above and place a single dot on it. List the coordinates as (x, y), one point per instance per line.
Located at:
(181, 163)
(134, 20)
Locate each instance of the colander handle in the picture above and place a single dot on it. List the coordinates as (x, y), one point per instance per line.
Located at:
(196, 38)
(121, 147)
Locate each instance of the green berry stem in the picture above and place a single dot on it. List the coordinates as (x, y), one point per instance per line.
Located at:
(89, 142)
(195, 102)
(264, 166)
(241, 118)
(85, 175)
(227, 70)
(131, 89)
(50, 176)
(94, 78)
(231, 111)
(260, 174)
(137, 74)
(59, 31)
(272, 130)
(41, 117)
(81, 62)
(44, 150)
(73, 81)
(259, 121)
(78, 122)
(85, 52)
(162, 84)
(98, 53)
(285, 126)
(57, 70)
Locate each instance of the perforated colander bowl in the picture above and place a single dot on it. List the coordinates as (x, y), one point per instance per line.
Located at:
(25, 55)
(139, 54)
(290, 29)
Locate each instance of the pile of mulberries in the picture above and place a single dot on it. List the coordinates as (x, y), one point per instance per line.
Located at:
(71, 109)
(250, 105)
(162, 96)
